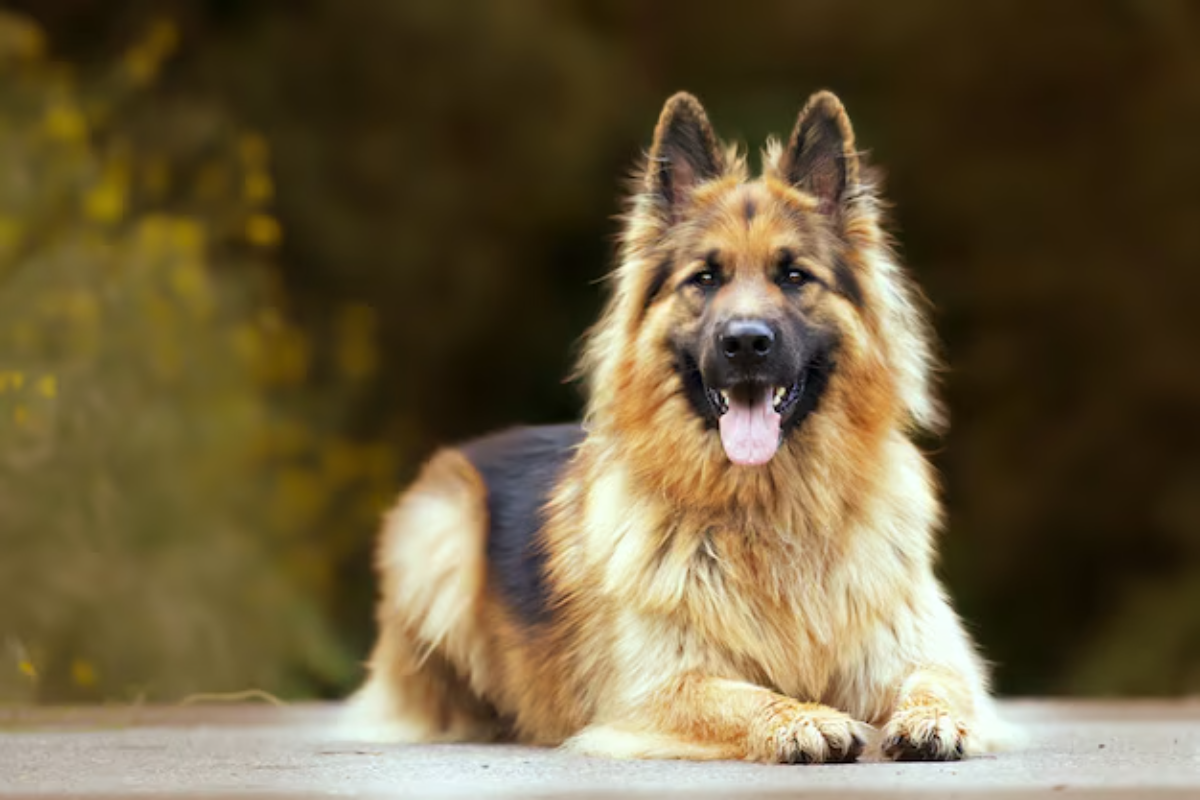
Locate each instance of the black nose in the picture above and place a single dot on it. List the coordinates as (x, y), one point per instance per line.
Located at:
(746, 341)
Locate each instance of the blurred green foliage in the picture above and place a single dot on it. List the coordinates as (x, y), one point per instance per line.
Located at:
(159, 467)
(434, 183)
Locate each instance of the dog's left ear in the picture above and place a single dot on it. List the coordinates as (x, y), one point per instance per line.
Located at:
(820, 157)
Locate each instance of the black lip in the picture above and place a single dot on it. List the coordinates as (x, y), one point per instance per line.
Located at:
(716, 403)
(794, 393)
(694, 388)
(803, 396)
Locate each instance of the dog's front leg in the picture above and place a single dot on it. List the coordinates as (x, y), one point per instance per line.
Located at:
(940, 709)
(930, 721)
(698, 717)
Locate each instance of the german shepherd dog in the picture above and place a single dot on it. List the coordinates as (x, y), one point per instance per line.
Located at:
(732, 557)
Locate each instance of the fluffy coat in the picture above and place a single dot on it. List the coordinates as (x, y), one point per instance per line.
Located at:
(684, 606)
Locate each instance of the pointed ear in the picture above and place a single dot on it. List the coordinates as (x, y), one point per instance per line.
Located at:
(685, 152)
(820, 157)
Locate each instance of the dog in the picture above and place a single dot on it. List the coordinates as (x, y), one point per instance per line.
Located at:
(733, 556)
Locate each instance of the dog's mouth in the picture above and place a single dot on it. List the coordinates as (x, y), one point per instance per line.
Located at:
(755, 414)
(751, 417)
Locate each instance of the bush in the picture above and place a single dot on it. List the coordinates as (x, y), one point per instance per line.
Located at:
(164, 460)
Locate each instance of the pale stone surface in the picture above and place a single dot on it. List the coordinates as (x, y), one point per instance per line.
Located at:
(1080, 749)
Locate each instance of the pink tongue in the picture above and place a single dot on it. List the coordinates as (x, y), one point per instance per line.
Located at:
(750, 431)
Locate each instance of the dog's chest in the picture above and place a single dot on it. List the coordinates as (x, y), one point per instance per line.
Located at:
(764, 605)
(772, 610)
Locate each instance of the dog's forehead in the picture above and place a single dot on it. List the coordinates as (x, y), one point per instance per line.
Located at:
(748, 223)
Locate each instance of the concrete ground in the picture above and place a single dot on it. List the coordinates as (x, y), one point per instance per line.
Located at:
(1078, 749)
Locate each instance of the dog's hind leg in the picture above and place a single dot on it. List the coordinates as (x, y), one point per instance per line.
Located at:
(415, 696)
(427, 668)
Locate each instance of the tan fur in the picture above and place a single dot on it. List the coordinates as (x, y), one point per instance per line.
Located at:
(703, 610)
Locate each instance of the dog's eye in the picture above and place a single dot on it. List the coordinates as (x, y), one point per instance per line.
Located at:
(791, 274)
(706, 279)
(794, 276)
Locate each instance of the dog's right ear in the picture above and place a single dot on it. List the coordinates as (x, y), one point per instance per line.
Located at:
(685, 153)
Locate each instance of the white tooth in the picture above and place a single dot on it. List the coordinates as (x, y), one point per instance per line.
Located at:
(725, 397)
(780, 393)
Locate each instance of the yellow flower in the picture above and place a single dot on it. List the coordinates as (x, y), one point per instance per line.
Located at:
(11, 380)
(20, 38)
(188, 280)
(263, 230)
(258, 187)
(10, 233)
(27, 668)
(163, 37)
(83, 673)
(48, 386)
(144, 60)
(187, 235)
(65, 123)
(253, 149)
(105, 203)
(141, 64)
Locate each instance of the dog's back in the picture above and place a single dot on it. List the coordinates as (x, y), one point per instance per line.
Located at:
(520, 468)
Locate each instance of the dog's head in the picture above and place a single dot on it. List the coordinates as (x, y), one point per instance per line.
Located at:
(768, 301)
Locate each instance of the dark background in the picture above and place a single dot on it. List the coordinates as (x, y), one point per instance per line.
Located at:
(454, 167)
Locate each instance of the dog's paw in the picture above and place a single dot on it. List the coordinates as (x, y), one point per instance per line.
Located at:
(814, 734)
(924, 733)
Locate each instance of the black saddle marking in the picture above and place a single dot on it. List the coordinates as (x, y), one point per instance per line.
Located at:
(520, 468)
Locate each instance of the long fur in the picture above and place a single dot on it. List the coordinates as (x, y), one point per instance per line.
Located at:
(695, 609)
